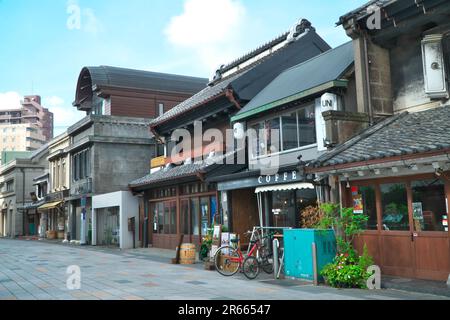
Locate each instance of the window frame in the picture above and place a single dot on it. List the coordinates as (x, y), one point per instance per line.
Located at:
(280, 115)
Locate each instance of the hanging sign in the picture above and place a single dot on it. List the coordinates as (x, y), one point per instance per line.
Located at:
(358, 206)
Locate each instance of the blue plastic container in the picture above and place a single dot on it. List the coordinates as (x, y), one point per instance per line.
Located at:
(298, 257)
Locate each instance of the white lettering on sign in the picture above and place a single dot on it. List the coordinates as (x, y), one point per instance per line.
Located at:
(277, 178)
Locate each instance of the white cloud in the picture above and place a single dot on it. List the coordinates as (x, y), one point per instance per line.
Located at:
(64, 115)
(208, 29)
(10, 100)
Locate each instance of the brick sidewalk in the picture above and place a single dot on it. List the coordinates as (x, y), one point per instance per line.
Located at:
(36, 270)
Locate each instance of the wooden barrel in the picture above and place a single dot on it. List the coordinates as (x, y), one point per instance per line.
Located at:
(187, 253)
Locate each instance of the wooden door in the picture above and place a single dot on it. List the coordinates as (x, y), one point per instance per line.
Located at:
(431, 242)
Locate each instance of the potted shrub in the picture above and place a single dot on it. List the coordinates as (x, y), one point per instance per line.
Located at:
(348, 269)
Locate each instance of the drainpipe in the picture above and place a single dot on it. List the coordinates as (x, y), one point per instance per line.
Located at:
(23, 200)
(367, 71)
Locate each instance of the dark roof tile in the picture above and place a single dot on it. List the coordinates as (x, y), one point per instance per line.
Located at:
(402, 134)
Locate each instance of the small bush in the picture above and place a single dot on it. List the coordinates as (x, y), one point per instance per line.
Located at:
(348, 270)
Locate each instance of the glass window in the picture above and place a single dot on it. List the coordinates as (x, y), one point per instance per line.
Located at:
(184, 219)
(394, 203)
(364, 202)
(159, 214)
(167, 221)
(257, 139)
(214, 213)
(195, 216)
(429, 205)
(272, 136)
(204, 206)
(290, 132)
(283, 209)
(307, 126)
(173, 217)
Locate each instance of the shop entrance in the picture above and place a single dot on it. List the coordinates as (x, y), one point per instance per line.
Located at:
(3, 223)
(108, 226)
(407, 231)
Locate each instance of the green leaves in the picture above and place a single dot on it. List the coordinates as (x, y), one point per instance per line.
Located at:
(348, 269)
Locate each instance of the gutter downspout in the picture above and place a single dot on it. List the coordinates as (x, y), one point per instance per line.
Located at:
(367, 71)
(23, 200)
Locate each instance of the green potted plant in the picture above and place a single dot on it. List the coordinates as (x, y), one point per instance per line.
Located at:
(348, 269)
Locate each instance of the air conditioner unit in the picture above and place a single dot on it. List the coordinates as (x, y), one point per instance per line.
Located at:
(434, 67)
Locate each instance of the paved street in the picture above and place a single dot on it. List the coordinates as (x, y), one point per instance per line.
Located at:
(33, 270)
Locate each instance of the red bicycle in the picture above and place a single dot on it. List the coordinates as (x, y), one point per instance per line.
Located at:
(229, 260)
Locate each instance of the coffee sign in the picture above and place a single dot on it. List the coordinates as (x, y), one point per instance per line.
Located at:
(279, 178)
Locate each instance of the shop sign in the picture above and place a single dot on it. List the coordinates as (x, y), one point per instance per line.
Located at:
(158, 162)
(358, 206)
(279, 178)
(83, 202)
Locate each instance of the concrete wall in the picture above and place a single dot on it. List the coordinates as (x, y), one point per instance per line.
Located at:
(407, 75)
(129, 208)
(116, 165)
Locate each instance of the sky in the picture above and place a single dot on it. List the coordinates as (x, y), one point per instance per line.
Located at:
(44, 44)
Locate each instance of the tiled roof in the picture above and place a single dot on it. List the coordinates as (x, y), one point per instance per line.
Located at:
(257, 74)
(328, 66)
(201, 97)
(170, 173)
(402, 134)
(188, 170)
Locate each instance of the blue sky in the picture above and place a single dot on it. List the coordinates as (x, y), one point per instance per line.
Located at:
(43, 48)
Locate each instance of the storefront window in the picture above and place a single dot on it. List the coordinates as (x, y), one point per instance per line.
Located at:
(173, 217)
(290, 132)
(273, 136)
(307, 126)
(204, 205)
(214, 213)
(165, 217)
(395, 206)
(195, 216)
(305, 198)
(295, 129)
(184, 219)
(364, 202)
(159, 213)
(283, 209)
(429, 205)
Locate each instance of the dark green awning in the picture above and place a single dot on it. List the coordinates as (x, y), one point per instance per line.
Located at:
(309, 78)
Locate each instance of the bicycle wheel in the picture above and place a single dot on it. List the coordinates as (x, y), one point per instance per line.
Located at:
(227, 261)
(266, 260)
(267, 264)
(251, 267)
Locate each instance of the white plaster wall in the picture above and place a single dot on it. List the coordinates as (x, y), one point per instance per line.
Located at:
(129, 207)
